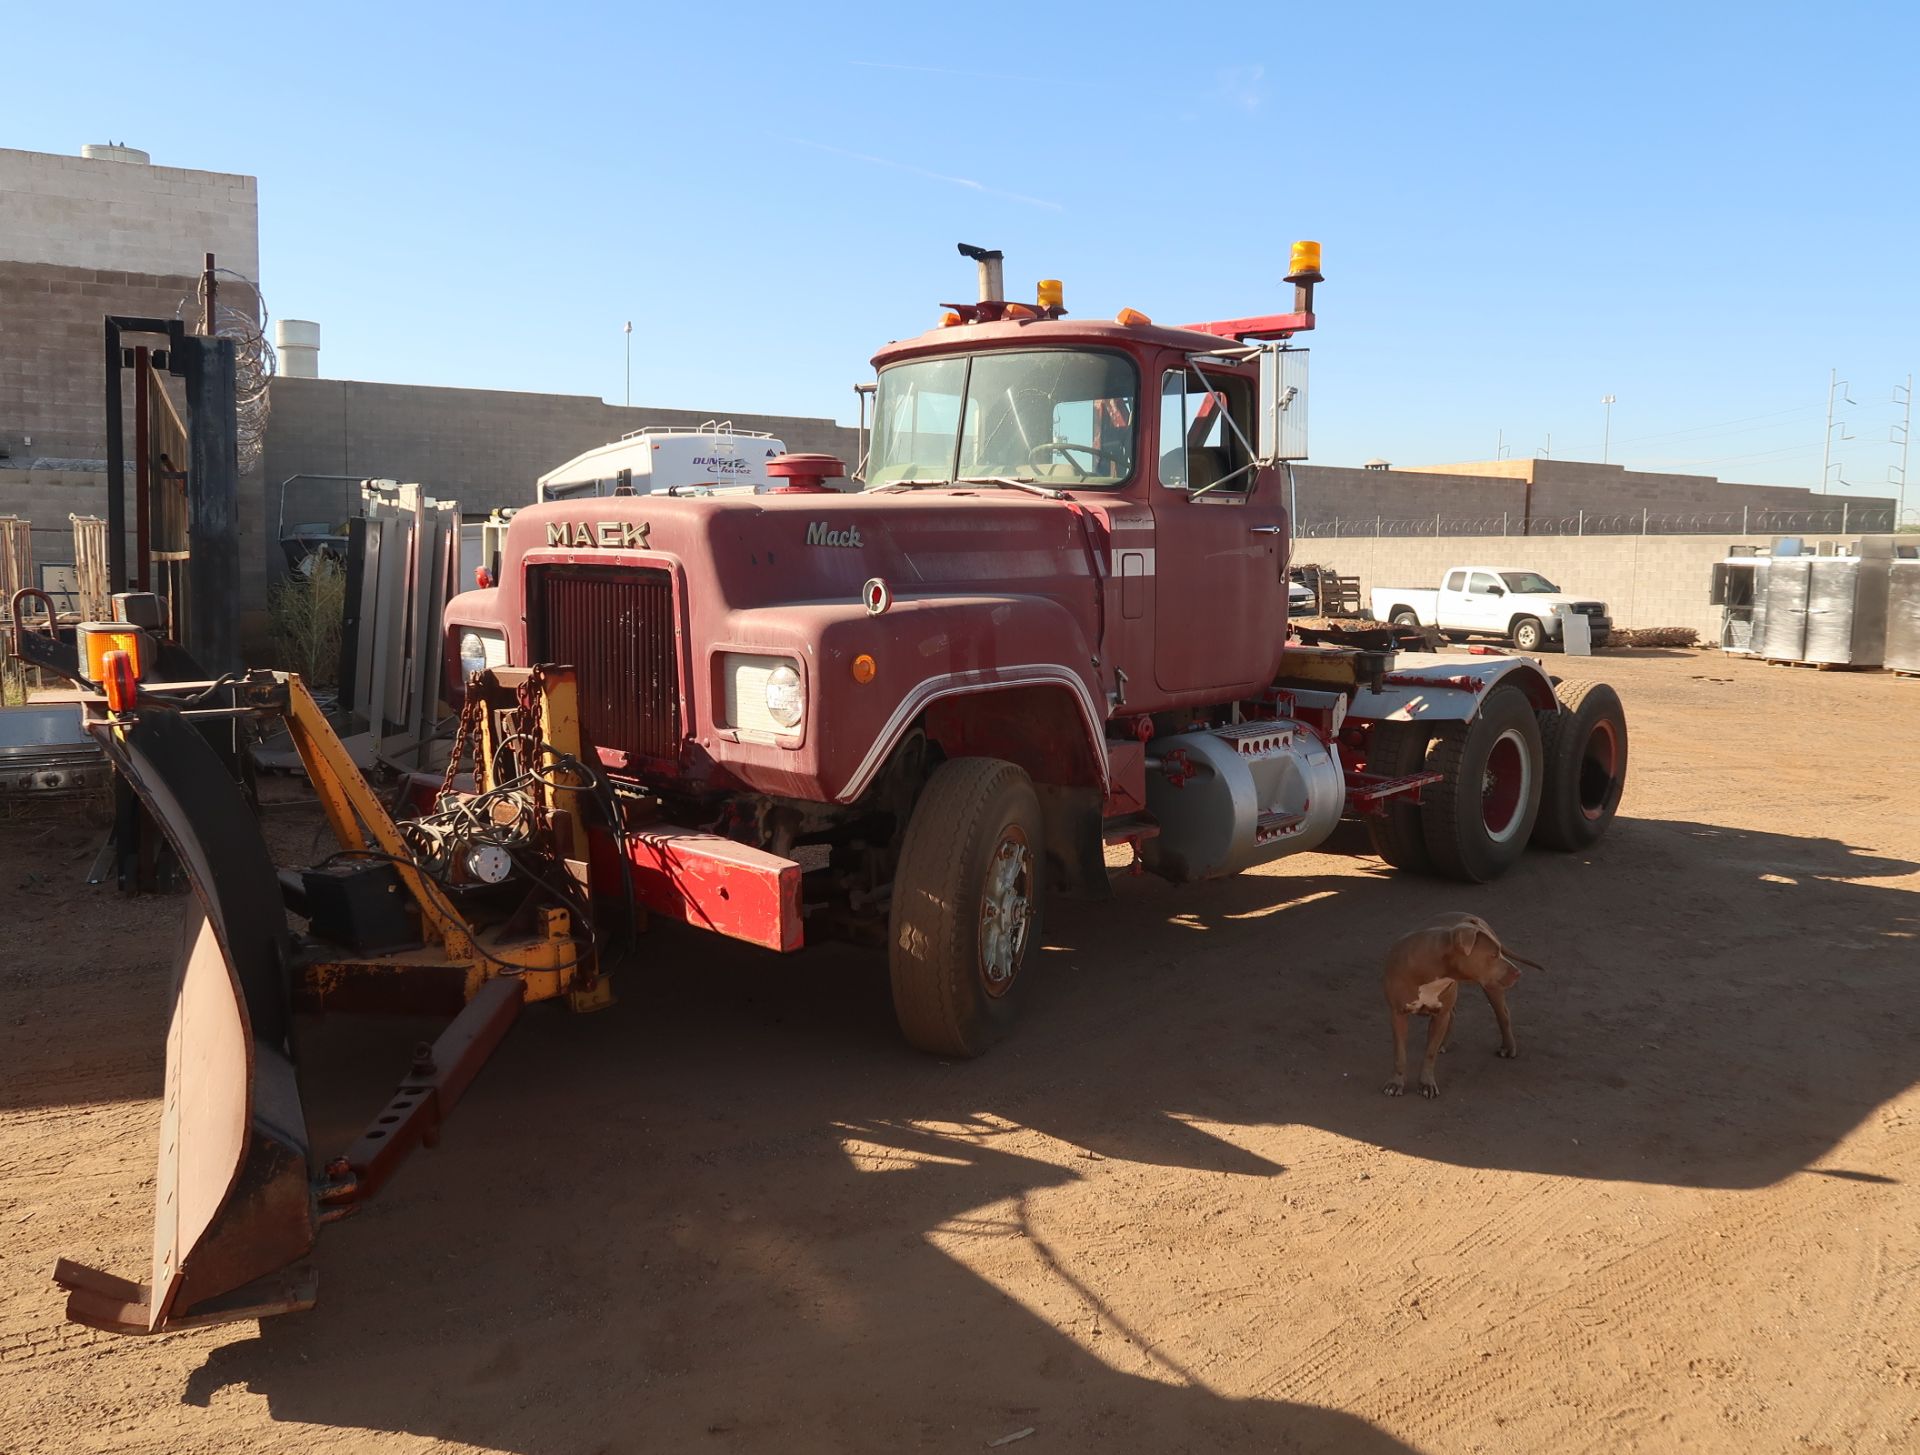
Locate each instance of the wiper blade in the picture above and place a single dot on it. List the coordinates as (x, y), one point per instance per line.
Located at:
(1014, 482)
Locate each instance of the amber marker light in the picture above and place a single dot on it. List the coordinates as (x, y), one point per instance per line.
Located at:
(865, 669)
(1131, 317)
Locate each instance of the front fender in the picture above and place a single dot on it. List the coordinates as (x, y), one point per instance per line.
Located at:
(922, 651)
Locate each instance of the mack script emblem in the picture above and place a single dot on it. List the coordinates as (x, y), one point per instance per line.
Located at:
(819, 535)
(612, 535)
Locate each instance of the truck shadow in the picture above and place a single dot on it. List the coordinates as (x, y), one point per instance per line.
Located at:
(736, 1212)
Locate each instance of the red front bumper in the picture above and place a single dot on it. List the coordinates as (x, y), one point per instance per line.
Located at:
(707, 881)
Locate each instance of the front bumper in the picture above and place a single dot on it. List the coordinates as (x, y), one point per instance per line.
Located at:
(704, 880)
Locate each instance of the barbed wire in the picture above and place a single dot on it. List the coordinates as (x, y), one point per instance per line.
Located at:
(254, 361)
(1840, 519)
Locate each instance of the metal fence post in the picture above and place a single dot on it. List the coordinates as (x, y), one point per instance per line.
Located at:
(1844, 506)
(1582, 528)
(1503, 522)
(1643, 520)
(1336, 525)
(1436, 525)
(1376, 527)
(1743, 520)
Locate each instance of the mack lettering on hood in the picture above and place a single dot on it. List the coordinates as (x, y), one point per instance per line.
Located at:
(819, 535)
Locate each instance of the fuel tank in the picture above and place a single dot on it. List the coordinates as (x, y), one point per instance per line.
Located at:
(1234, 796)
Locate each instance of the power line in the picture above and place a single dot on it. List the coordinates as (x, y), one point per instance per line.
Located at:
(1708, 428)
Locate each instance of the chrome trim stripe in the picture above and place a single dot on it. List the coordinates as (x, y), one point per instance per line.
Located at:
(979, 679)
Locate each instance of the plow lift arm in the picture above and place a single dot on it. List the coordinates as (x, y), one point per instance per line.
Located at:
(493, 914)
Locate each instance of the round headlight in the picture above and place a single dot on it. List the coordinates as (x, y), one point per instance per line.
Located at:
(473, 654)
(785, 701)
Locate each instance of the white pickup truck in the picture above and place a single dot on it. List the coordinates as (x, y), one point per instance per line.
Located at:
(1501, 601)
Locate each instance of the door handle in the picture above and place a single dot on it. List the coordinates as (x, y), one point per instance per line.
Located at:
(1266, 530)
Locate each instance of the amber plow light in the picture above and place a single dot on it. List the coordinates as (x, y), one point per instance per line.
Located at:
(100, 639)
(120, 680)
(1050, 294)
(1304, 266)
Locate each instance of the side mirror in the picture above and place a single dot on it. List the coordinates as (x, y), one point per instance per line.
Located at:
(1496, 591)
(1283, 404)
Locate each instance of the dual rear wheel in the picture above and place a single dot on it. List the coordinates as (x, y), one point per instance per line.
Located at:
(1510, 777)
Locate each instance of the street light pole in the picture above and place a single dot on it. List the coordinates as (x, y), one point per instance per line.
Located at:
(1606, 439)
(628, 397)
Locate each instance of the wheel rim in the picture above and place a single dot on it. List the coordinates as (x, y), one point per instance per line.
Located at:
(1504, 786)
(1006, 911)
(1599, 768)
(1527, 637)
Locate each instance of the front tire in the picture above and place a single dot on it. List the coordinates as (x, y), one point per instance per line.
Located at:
(1584, 758)
(1478, 817)
(1528, 635)
(1406, 618)
(966, 900)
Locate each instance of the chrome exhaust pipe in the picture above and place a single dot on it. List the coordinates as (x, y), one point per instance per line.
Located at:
(993, 283)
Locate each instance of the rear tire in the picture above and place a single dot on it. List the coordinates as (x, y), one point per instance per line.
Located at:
(1528, 635)
(1406, 618)
(1398, 749)
(1478, 817)
(1584, 765)
(966, 900)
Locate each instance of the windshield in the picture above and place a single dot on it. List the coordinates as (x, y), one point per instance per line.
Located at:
(1528, 581)
(1061, 416)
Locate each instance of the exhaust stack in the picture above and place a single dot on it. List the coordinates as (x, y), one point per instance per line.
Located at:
(993, 283)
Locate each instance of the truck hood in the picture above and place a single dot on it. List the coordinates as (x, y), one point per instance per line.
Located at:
(783, 548)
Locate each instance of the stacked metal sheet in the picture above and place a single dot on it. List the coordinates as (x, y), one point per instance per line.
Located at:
(1847, 607)
(1903, 617)
(1789, 582)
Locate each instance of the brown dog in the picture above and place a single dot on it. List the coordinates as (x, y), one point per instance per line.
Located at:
(1423, 975)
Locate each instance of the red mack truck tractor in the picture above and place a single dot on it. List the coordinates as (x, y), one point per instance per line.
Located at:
(1051, 621)
(1051, 625)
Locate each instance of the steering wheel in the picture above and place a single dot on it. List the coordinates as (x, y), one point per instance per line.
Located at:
(1065, 450)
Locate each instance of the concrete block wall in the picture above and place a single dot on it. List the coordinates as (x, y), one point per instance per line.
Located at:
(1646, 581)
(79, 212)
(481, 447)
(1332, 493)
(1561, 489)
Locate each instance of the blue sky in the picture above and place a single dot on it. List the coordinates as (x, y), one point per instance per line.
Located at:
(1696, 208)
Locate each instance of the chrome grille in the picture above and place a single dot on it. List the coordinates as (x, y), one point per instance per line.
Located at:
(614, 626)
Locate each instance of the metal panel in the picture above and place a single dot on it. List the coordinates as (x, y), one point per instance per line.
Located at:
(1903, 617)
(615, 626)
(1788, 581)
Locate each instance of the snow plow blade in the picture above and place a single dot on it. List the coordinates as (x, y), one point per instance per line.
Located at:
(234, 1200)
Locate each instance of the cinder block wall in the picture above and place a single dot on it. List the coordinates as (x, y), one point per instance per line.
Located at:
(481, 447)
(1646, 581)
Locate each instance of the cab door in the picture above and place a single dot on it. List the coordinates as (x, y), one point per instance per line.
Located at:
(1220, 543)
(1484, 604)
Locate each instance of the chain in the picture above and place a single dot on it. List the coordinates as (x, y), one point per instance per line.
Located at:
(462, 741)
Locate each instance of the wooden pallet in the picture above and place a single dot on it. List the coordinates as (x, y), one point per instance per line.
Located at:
(1820, 666)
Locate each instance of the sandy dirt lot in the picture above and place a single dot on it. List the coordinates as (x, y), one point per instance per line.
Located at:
(1173, 1212)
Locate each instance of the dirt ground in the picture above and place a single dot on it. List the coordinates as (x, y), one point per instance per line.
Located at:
(1173, 1212)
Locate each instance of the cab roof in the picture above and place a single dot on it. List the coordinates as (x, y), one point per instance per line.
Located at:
(1099, 333)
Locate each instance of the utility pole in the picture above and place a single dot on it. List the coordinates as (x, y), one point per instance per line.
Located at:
(1839, 386)
(628, 396)
(1606, 438)
(1902, 435)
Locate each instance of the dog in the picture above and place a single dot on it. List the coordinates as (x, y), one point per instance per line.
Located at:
(1423, 974)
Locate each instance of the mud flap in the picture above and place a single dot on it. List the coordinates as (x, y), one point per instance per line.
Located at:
(234, 1200)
